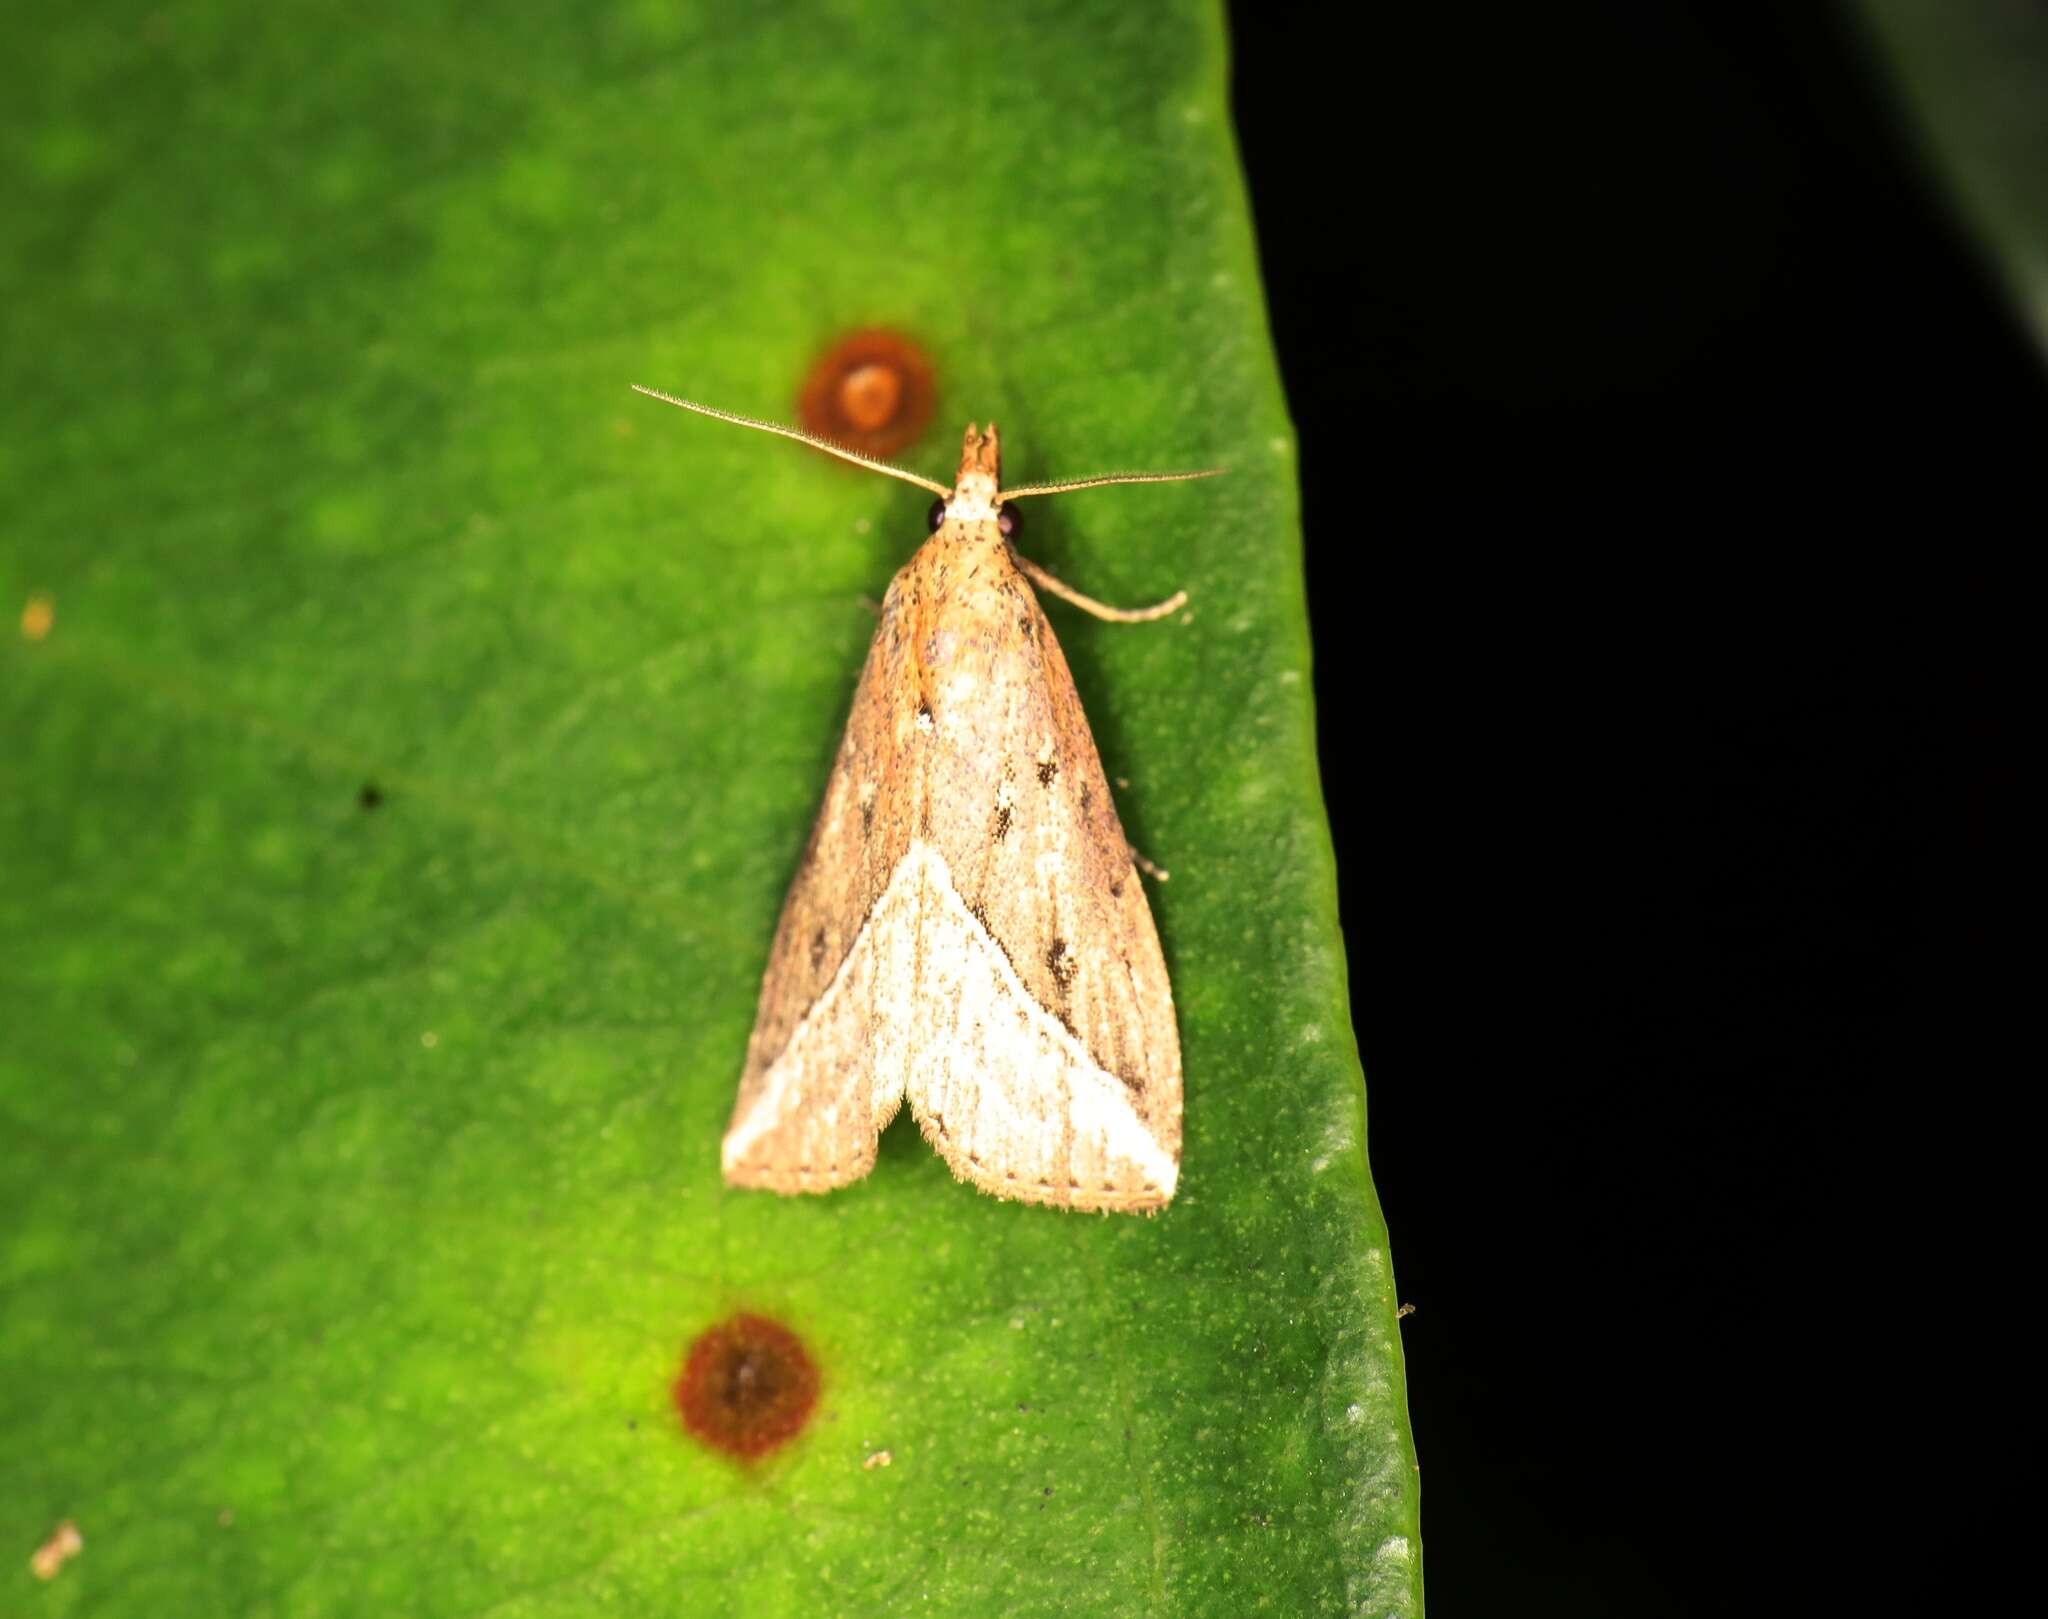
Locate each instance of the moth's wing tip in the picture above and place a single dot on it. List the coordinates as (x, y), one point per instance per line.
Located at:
(789, 1182)
(1149, 1198)
(1142, 1189)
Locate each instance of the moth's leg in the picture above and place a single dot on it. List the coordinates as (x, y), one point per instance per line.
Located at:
(1158, 874)
(1088, 604)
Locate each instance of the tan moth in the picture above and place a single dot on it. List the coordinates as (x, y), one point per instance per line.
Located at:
(966, 930)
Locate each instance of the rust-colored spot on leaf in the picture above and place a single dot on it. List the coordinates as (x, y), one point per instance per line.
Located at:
(747, 1386)
(37, 617)
(871, 391)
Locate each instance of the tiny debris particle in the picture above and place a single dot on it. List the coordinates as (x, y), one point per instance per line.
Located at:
(37, 617)
(879, 1458)
(1404, 1310)
(65, 1543)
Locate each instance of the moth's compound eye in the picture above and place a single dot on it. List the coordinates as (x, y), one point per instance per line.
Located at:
(936, 515)
(1009, 520)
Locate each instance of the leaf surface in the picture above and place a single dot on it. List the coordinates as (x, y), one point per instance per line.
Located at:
(409, 735)
(1973, 74)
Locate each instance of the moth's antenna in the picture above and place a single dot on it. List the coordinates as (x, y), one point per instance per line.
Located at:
(1114, 477)
(811, 439)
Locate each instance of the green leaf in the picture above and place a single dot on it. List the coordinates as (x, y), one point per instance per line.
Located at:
(413, 736)
(1974, 75)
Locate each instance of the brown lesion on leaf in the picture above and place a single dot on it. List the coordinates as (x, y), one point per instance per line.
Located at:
(1047, 769)
(1060, 962)
(817, 950)
(1003, 818)
(873, 390)
(748, 1385)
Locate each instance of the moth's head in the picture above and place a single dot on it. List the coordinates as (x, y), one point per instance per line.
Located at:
(976, 494)
(974, 498)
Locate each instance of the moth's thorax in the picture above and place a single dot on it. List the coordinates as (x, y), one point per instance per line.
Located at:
(974, 497)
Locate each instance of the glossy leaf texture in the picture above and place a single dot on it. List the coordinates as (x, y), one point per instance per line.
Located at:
(1973, 75)
(409, 735)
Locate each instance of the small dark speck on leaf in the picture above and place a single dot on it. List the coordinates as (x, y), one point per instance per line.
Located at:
(370, 797)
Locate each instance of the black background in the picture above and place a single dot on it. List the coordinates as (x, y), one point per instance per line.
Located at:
(1657, 422)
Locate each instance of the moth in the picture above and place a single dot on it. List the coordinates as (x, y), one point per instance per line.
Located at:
(966, 929)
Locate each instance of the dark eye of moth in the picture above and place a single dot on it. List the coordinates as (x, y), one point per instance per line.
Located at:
(1009, 519)
(936, 515)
